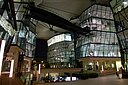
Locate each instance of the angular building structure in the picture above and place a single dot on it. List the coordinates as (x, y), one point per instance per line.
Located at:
(20, 36)
(100, 49)
(120, 13)
(61, 51)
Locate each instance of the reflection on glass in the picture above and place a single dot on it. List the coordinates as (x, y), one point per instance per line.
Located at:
(118, 5)
(102, 40)
(61, 52)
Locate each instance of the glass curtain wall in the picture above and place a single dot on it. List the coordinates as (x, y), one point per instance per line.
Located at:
(61, 51)
(102, 41)
(26, 34)
(4, 34)
(6, 28)
(120, 11)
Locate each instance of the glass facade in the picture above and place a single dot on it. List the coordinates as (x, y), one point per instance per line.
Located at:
(102, 41)
(3, 34)
(6, 28)
(118, 5)
(25, 36)
(120, 11)
(61, 51)
(26, 29)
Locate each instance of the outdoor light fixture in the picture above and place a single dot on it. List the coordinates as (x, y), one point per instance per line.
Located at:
(11, 69)
(1, 54)
(42, 61)
(39, 68)
(102, 68)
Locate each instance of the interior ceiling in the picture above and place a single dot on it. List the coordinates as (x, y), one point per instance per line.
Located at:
(67, 9)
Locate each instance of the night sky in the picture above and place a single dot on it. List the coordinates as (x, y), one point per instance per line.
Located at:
(41, 49)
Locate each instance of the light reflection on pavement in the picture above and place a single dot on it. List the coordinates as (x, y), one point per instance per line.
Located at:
(107, 80)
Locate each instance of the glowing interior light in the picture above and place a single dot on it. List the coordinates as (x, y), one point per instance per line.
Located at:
(118, 65)
(42, 61)
(90, 63)
(97, 63)
(39, 68)
(1, 54)
(11, 69)
(125, 3)
(102, 68)
(31, 76)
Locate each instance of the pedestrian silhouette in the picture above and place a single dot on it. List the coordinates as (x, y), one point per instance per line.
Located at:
(117, 74)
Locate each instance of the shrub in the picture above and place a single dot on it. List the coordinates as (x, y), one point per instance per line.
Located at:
(85, 74)
(93, 75)
(125, 75)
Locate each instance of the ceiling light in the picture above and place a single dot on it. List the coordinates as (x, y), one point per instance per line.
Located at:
(90, 63)
(42, 61)
(125, 2)
(39, 68)
(34, 61)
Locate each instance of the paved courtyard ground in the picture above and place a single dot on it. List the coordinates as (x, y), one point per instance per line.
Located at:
(107, 80)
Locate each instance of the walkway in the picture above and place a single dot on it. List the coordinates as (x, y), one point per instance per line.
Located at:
(107, 80)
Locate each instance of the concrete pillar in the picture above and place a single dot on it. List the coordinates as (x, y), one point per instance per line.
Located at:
(71, 76)
(97, 65)
(100, 65)
(84, 65)
(94, 65)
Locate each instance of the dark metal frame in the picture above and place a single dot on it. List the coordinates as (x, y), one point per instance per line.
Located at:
(121, 21)
(105, 14)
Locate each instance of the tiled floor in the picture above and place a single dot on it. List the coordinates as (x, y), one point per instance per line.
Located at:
(107, 80)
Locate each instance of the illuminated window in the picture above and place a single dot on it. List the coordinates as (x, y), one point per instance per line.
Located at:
(103, 40)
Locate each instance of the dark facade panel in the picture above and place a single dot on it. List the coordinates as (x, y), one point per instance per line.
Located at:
(41, 49)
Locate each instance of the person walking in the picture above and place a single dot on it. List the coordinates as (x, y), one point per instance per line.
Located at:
(117, 74)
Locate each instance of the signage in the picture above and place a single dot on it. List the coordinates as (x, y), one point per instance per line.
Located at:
(59, 38)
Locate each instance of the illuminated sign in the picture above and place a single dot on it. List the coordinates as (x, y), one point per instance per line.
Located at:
(59, 38)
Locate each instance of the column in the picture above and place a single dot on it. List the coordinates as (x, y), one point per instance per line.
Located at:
(71, 76)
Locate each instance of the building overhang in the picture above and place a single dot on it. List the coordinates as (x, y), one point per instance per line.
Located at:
(90, 59)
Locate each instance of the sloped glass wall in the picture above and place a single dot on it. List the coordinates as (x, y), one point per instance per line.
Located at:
(26, 32)
(26, 35)
(120, 11)
(102, 41)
